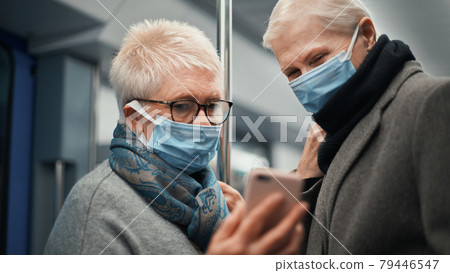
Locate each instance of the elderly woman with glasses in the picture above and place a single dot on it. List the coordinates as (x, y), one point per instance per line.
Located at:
(157, 194)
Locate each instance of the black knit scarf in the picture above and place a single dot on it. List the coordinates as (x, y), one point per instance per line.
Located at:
(359, 94)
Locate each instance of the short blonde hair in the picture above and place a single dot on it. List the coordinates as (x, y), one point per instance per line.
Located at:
(338, 15)
(155, 49)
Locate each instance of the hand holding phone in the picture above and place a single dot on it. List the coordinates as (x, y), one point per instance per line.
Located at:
(263, 182)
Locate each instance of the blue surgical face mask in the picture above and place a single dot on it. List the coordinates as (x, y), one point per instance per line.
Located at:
(181, 145)
(315, 88)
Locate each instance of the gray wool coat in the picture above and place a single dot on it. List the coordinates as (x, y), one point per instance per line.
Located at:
(387, 191)
(104, 214)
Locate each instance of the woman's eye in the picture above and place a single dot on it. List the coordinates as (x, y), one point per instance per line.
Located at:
(212, 106)
(318, 58)
(182, 107)
(293, 73)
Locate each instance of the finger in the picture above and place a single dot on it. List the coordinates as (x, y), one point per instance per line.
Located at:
(280, 247)
(231, 223)
(295, 242)
(311, 131)
(231, 205)
(321, 129)
(254, 222)
(318, 132)
(223, 186)
(268, 242)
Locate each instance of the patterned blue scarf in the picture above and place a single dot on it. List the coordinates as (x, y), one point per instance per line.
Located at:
(198, 205)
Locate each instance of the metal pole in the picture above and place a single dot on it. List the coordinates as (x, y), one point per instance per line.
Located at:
(224, 31)
(59, 186)
(92, 134)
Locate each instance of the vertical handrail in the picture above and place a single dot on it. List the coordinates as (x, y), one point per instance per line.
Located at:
(224, 32)
(92, 130)
(59, 186)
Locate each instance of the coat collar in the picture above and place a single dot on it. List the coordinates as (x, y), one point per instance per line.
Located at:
(359, 138)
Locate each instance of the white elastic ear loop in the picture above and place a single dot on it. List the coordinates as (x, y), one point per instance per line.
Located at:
(138, 108)
(352, 45)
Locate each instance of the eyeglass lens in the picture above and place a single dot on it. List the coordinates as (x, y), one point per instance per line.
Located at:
(185, 111)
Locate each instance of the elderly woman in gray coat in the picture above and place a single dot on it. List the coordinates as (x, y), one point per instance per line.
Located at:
(379, 184)
(157, 194)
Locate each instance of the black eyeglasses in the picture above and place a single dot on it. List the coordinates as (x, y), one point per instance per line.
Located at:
(185, 111)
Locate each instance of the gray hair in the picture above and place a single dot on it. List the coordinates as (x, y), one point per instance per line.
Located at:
(155, 49)
(338, 15)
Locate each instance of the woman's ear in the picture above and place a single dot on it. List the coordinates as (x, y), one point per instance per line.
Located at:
(131, 117)
(138, 123)
(368, 30)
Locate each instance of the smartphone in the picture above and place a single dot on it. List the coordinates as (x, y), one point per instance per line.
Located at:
(263, 182)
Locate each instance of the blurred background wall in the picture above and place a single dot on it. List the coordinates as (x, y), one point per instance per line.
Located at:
(58, 109)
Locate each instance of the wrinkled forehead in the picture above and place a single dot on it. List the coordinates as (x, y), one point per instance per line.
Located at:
(297, 36)
(301, 37)
(194, 83)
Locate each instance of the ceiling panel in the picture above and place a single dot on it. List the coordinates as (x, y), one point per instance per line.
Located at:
(249, 16)
(42, 18)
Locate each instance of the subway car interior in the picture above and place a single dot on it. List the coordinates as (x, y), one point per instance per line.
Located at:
(58, 107)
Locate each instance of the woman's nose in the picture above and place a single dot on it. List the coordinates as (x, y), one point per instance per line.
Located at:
(201, 118)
